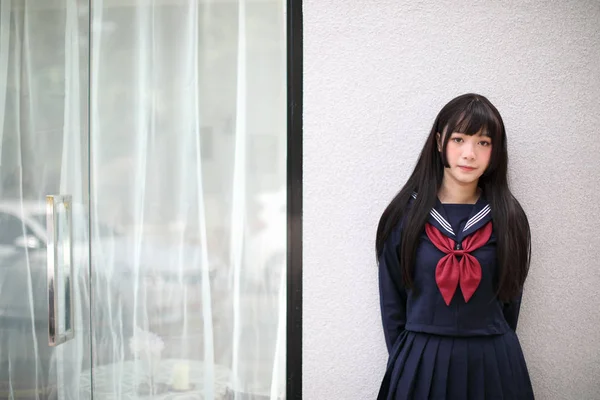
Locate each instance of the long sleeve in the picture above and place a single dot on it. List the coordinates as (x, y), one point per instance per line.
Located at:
(511, 311)
(391, 294)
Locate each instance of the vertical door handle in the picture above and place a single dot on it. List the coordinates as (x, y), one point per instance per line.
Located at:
(59, 224)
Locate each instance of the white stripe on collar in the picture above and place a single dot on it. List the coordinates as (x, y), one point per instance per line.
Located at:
(477, 217)
(438, 217)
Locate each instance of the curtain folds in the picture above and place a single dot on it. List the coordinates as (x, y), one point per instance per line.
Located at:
(166, 123)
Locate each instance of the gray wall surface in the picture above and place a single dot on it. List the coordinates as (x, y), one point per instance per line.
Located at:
(375, 75)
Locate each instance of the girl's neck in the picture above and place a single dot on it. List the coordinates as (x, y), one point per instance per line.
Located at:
(455, 193)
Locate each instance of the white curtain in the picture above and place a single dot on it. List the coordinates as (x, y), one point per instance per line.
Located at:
(188, 167)
(185, 157)
(43, 108)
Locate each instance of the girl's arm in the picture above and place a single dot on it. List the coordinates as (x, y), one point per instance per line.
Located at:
(392, 295)
(511, 311)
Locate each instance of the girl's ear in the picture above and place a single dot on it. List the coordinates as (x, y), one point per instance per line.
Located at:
(439, 141)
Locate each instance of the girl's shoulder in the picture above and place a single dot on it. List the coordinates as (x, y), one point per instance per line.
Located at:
(396, 232)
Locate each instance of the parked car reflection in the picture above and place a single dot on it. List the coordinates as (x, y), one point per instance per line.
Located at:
(149, 280)
(24, 297)
(137, 281)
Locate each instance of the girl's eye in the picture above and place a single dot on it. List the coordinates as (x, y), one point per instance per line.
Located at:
(457, 140)
(485, 143)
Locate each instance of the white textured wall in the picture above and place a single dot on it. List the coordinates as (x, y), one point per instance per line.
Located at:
(376, 74)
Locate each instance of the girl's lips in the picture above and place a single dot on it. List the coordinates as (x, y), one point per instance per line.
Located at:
(467, 169)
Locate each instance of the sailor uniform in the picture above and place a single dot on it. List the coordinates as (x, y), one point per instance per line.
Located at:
(450, 337)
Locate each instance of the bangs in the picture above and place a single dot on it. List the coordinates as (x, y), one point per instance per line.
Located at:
(476, 118)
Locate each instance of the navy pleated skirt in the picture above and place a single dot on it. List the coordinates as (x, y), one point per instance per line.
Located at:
(433, 367)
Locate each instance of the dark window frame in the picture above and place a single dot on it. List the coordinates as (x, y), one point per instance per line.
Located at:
(294, 200)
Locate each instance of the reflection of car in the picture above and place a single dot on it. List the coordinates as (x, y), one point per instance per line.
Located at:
(24, 296)
(265, 247)
(156, 279)
(23, 239)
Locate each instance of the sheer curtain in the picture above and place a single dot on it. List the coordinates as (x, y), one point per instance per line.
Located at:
(166, 122)
(43, 151)
(187, 147)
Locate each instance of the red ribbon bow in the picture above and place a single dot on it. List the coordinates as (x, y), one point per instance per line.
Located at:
(451, 271)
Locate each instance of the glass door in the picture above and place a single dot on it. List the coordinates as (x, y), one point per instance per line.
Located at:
(44, 247)
(142, 199)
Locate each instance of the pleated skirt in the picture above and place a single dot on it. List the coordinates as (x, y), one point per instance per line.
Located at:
(433, 367)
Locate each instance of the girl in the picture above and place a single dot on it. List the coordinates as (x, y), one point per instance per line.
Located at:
(453, 250)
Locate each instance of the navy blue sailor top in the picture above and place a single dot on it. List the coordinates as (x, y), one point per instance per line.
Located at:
(455, 277)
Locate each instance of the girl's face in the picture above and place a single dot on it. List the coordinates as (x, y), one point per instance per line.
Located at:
(468, 156)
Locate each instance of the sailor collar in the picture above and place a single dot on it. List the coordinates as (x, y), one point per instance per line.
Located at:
(480, 215)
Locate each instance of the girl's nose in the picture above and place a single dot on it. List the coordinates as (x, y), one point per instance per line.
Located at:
(469, 152)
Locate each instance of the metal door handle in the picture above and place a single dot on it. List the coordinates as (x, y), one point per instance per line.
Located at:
(59, 268)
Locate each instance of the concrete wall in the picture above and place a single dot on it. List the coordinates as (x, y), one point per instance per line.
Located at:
(376, 74)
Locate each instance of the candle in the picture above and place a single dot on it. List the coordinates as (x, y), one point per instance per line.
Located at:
(181, 377)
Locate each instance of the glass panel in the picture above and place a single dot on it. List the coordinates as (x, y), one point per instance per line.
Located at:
(188, 140)
(43, 151)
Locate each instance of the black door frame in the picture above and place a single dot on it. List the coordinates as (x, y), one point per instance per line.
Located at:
(294, 200)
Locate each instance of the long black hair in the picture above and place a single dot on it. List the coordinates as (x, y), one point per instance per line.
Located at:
(469, 114)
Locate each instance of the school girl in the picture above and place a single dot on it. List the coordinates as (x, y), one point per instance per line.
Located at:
(453, 250)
